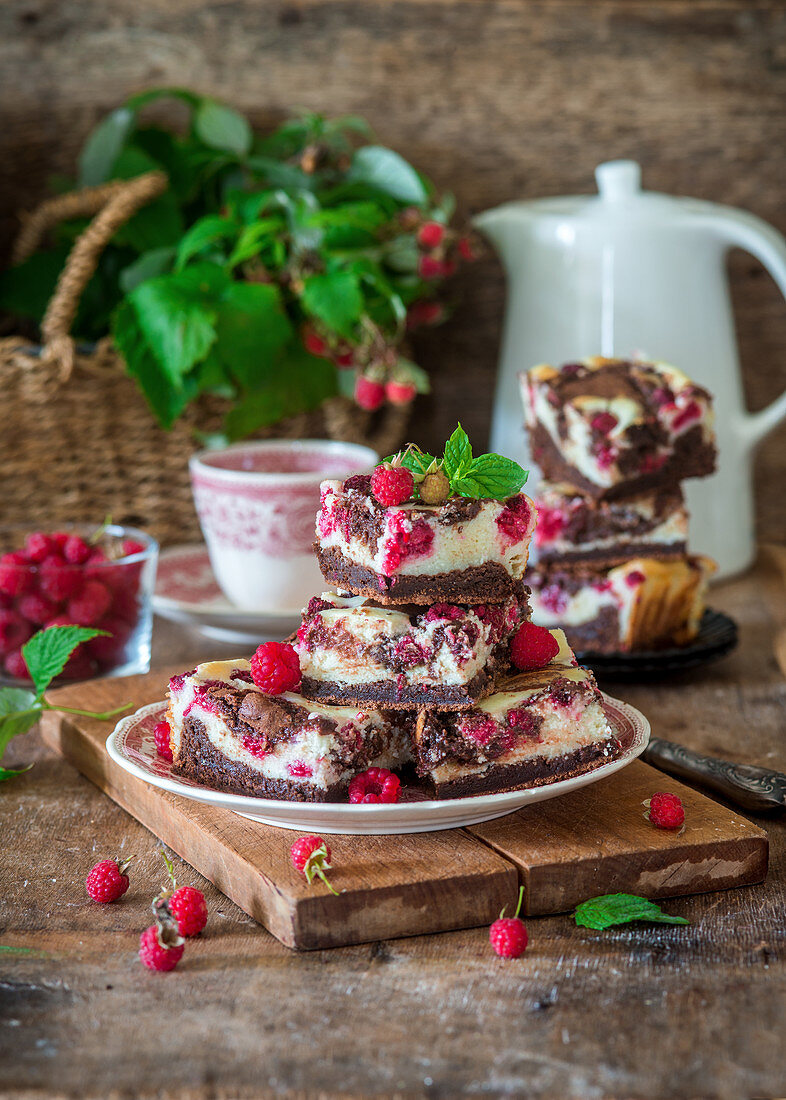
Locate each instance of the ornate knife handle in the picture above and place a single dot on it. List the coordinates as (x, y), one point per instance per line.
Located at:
(753, 788)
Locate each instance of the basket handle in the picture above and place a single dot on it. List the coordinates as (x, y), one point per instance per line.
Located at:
(111, 204)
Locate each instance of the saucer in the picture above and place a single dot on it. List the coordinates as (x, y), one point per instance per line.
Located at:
(187, 592)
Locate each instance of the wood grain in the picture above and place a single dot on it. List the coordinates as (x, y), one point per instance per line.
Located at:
(496, 100)
(640, 1011)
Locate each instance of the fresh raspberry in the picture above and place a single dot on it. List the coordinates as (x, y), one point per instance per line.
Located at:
(162, 734)
(430, 235)
(370, 395)
(400, 393)
(634, 578)
(189, 908)
(59, 581)
(434, 488)
(125, 605)
(14, 631)
(16, 576)
(514, 519)
(311, 856)
(80, 666)
(108, 650)
(344, 360)
(76, 551)
(533, 647)
(665, 811)
(36, 608)
(133, 546)
(466, 251)
(108, 880)
(392, 484)
(508, 935)
(314, 344)
(604, 422)
(161, 947)
(90, 605)
(275, 668)
(374, 785)
(431, 268)
(16, 666)
(39, 546)
(424, 313)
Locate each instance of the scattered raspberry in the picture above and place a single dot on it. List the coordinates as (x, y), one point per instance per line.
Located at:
(370, 395)
(508, 935)
(76, 551)
(37, 609)
(189, 908)
(161, 947)
(311, 856)
(16, 576)
(434, 488)
(108, 880)
(162, 734)
(392, 484)
(16, 666)
(14, 631)
(424, 313)
(275, 668)
(533, 647)
(604, 422)
(665, 811)
(39, 546)
(431, 268)
(59, 581)
(400, 393)
(90, 605)
(374, 785)
(430, 235)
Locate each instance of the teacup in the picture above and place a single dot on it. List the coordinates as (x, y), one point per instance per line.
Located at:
(257, 503)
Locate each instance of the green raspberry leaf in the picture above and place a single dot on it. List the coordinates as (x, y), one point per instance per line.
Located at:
(490, 477)
(458, 455)
(11, 773)
(222, 128)
(48, 651)
(19, 711)
(610, 909)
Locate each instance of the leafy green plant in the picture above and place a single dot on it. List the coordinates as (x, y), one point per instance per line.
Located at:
(46, 655)
(611, 909)
(275, 271)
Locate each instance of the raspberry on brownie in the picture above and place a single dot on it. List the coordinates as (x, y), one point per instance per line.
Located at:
(464, 550)
(354, 650)
(641, 604)
(227, 734)
(613, 426)
(538, 727)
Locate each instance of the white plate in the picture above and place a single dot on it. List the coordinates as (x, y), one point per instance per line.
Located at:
(132, 746)
(187, 592)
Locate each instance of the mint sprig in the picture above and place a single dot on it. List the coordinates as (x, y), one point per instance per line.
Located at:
(46, 655)
(487, 477)
(610, 909)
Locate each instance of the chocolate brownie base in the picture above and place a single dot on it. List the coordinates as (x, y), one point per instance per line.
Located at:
(614, 555)
(692, 457)
(489, 583)
(200, 760)
(537, 772)
(387, 694)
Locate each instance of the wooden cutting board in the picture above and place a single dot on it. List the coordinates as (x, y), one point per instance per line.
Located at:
(594, 841)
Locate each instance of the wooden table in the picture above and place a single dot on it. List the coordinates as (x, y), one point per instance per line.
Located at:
(641, 1011)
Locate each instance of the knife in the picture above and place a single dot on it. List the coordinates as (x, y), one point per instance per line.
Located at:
(759, 790)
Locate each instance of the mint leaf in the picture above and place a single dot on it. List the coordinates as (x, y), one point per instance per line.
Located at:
(48, 651)
(251, 329)
(335, 300)
(222, 128)
(458, 455)
(610, 909)
(491, 477)
(389, 172)
(103, 146)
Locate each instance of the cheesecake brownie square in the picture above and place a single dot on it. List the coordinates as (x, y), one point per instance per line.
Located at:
(463, 551)
(612, 427)
(537, 728)
(352, 649)
(226, 734)
(573, 527)
(642, 604)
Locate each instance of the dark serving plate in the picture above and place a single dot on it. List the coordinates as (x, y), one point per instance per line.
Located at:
(717, 636)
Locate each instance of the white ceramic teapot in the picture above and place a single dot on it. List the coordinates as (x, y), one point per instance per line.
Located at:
(630, 271)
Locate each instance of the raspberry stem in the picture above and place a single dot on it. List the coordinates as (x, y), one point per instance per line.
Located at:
(100, 716)
(518, 907)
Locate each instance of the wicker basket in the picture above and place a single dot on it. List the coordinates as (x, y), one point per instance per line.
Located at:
(77, 439)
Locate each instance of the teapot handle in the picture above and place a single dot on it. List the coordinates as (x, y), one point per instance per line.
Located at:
(739, 229)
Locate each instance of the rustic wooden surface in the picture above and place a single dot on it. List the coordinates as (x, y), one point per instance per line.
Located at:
(641, 1011)
(493, 98)
(592, 842)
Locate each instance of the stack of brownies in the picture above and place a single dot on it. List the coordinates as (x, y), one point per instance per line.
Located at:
(614, 440)
(422, 654)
